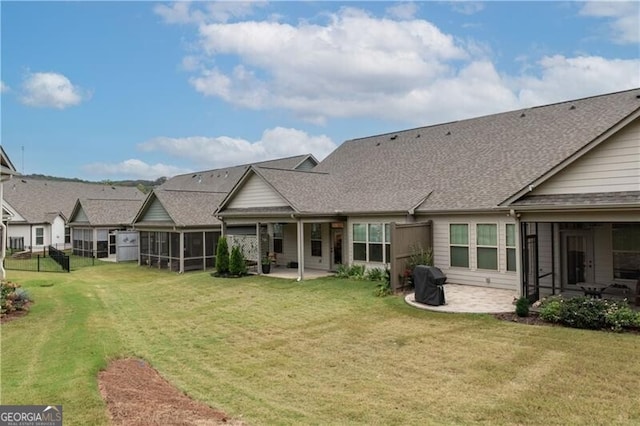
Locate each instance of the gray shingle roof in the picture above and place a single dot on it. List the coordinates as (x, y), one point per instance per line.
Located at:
(596, 198)
(224, 179)
(464, 165)
(105, 212)
(36, 200)
(191, 199)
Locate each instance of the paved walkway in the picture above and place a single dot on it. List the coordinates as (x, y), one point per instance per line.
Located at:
(292, 273)
(470, 299)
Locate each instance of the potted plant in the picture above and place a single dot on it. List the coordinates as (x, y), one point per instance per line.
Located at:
(266, 265)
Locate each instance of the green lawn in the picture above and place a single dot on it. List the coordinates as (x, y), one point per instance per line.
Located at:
(320, 352)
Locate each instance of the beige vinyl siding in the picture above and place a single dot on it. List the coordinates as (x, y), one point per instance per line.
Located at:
(289, 244)
(256, 193)
(306, 165)
(612, 166)
(317, 262)
(81, 216)
(156, 213)
(472, 276)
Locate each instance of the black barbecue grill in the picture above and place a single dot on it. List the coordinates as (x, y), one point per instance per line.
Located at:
(428, 282)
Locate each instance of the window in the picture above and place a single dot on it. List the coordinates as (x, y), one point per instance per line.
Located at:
(316, 239)
(487, 246)
(626, 250)
(511, 246)
(360, 241)
(277, 237)
(39, 236)
(67, 235)
(459, 245)
(371, 242)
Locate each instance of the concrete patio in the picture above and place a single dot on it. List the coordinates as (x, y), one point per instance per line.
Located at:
(292, 273)
(470, 299)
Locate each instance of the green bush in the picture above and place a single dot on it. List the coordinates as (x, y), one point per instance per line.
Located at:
(522, 307)
(588, 313)
(222, 256)
(342, 271)
(237, 264)
(550, 309)
(356, 272)
(375, 274)
(12, 297)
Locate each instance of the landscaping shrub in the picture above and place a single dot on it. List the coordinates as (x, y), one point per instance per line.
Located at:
(342, 271)
(12, 297)
(522, 307)
(375, 274)
(588, 313)
(550, 309)
(237, 264)
(222, 256)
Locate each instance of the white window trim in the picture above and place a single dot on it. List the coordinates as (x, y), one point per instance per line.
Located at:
(386, 240)
(478, 246)
(468, 245)
(507, 247)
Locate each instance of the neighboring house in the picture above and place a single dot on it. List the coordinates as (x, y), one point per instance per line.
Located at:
(39, 209)
(177, 228)
(7, 171)
(537, 200)
(101, 227)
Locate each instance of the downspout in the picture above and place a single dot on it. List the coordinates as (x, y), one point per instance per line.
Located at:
(300, 250)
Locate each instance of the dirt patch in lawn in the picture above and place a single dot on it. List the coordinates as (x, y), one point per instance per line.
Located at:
(532, 319)
(136, 394)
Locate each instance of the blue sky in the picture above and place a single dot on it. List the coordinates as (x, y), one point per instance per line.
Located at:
(118, 90)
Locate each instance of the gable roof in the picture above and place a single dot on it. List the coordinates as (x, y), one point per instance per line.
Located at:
(105, 212)
(36, 200)
(468, 165)
(190, 199)
(473, 164)
(6, 166)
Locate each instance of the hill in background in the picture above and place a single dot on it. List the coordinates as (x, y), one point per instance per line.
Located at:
(143, 185)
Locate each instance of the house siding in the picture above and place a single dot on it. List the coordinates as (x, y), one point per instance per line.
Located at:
(612, 166)
(306, 165)
(57, 233)
(317, 262)
(156, 212)
(81, 216)
(256, 192)
(472, 275)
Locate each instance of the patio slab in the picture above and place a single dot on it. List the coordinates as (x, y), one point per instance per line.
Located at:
(292, 273)
(470, 299)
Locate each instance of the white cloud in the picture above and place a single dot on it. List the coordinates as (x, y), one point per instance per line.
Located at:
(215, 152)
(467, 7)
(181, 12)
(4, 87)
(53, 90)
(624, 18)
(358, 65)
(564, 78)
(406, 10)
(135, 169)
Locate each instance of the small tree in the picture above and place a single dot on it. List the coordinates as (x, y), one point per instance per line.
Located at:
(237, 265)
(222, 256)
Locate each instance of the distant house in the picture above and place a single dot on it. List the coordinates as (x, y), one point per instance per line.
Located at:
(538, 200)
(178, 230)
(38, 209)
(7, 171)
(102, 227)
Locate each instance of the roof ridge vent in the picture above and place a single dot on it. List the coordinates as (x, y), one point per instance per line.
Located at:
(523, 114)
(394, 137)
(448, 133)
(572, 107)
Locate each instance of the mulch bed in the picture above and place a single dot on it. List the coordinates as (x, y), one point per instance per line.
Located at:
(15, 314)
(137, 395)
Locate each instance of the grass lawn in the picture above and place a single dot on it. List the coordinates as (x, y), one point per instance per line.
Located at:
(325, 351)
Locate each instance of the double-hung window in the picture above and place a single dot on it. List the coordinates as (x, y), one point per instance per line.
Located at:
(316, 239)
(487, 246)
(510, 235)
(39, 236)
(626, 250)
(372, 242)
(459, 245)
(277, 237)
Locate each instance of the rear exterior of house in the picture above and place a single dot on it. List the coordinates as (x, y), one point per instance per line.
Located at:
(537, 201)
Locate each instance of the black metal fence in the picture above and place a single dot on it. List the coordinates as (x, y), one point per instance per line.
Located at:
(48, 260)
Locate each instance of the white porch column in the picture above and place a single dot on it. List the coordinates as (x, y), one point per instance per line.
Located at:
(300, 250)
(259, 248)
(223, 229)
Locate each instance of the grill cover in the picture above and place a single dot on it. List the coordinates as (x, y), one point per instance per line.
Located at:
(428, 281)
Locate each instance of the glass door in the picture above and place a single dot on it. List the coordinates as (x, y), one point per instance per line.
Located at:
(577, 257)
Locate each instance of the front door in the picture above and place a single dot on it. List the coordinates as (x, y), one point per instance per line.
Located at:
(336, 248)
(577, 257)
